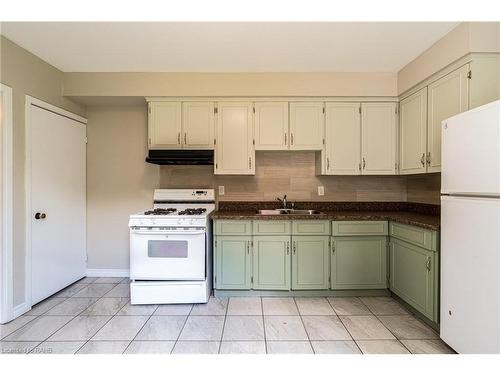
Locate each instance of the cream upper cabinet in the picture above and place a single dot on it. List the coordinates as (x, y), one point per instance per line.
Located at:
(307, 123)
(271, 126)
(343, 133)
(413, 133)
(447, 97)
(164, 125)
(198, 120)
(234, 151)
(378, 138)
(484, 79)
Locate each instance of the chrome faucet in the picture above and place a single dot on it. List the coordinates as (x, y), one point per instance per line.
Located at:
(283, 201)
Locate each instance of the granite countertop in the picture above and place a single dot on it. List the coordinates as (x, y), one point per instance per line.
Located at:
(424, 216)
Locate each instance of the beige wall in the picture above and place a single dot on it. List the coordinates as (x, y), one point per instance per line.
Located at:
(424, 188)
(26, 74)
(119, 182)
(230, 84)
(286, 172)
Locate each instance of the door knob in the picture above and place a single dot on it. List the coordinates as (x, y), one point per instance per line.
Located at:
(39, 216)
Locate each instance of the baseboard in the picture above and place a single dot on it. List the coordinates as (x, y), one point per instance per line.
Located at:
(107, 272)
(20, 309)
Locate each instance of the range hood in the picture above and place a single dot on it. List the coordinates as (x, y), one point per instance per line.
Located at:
(181, 157)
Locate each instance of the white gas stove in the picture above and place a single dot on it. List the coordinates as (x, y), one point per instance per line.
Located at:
(170, 248)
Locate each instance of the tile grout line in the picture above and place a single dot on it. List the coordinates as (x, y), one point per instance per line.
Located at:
(140, 329)
(303, 325)
(182, 328)
(345, 327)
(263, 323)
(224, 325)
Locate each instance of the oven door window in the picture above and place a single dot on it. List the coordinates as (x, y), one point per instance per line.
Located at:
(167, 249)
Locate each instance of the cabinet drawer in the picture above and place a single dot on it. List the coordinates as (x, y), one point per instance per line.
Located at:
(359, 228)
(272, 227)
(233, 227)
(418, 236)
(310, 227)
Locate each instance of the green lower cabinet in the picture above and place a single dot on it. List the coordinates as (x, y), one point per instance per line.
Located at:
(233, 262)
(310, 262)
(359, 262)
(414, 275)
(271, 262)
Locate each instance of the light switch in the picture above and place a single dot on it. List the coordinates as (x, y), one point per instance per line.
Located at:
(221, 190)
(321, 190)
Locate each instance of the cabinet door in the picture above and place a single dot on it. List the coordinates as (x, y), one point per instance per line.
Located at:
(234, 152)
(342, 138)
(307, 123)
(413, 276)
(413, 133)
(310, 268)
(233, 262)
(484, 79)
(378, 138)
(271, 262)
(198, 120)
(164, 125)
(271, 126)
(448, 96)
(359, 262)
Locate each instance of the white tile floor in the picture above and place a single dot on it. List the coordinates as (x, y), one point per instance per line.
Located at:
(94, 315)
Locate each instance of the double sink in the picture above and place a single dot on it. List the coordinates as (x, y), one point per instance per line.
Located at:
(288, 211)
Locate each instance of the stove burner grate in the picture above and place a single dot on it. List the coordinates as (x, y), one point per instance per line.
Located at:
(193, 211)
(161, 211)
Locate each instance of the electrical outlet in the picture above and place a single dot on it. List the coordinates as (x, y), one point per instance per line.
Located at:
(221, 190)
(321, 190)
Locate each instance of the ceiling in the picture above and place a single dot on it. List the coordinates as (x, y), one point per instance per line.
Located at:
(226, 47)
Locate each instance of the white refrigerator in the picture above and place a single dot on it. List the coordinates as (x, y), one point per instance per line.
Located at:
(470, 230)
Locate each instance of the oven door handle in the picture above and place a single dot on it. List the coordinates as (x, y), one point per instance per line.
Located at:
(135, 231)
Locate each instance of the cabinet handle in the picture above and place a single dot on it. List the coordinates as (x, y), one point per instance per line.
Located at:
(364, 162)
(287, 248)
(185, 139)
(291, 138)
(327, 163)
(285, 139)
(333, 247)
(294, 248)
(429, 159)
(178, 138)
(422, 160)
(428, 263)
(250, 162)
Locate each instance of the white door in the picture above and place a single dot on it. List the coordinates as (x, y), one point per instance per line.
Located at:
(470, 274)
(271, 126)
(164, 125)
(343, 139)
(198, 120)
(307, 126)
(413, 133)
(234, 152)
(471, 152)
(378, 138)
(448, 96)
(58, 202)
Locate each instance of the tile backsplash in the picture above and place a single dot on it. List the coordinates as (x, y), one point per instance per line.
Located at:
(286, 172)
(424, 188)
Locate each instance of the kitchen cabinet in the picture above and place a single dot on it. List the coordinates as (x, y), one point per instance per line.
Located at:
(310, 258)
(164, 125)
(234, 150)
(378, 138)
(198, 122)
(359, 262)
(342, 139)
(414, 276)
(271, 126)
(233, 262)
(448, 96)
(271, 262)
(484, 79)
(413, 133)
(307, 123)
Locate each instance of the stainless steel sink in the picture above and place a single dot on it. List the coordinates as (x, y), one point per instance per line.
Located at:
(288, 212)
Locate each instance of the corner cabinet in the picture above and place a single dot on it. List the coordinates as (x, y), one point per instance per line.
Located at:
(164, 125)
(234, 150)
(307, 125)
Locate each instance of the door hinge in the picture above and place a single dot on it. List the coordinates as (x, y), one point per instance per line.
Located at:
(254, 142)
(359, 109)
(469, 74)
(87, 140)
(329, 279)
(215, 242)
(215, 110)
(323, 140)
(216, 166)
(396, 109)
(215, 280)
(251, 279)
(323, 109)
(253, 109)
(149, 109)
(359, 167)
(215, 141)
